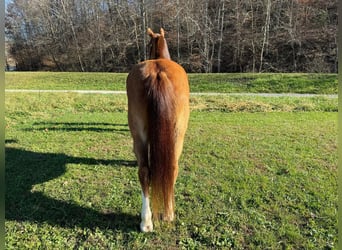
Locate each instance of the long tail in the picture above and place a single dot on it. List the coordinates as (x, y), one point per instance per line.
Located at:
(161, 131)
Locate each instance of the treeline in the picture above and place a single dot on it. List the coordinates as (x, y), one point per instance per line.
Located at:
(203, 36)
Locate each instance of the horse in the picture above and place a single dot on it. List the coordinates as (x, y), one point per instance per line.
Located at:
(158, 115)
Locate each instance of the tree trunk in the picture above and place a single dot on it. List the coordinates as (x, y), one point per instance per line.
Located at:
(143, 27)
(221, 25)
(266, 33)
(78, 50)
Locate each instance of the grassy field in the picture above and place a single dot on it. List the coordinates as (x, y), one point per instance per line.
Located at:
(256, 173)
(224, 83)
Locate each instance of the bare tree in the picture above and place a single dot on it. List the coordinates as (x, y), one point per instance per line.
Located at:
(221, 20)
(266, 33)
(67, 11)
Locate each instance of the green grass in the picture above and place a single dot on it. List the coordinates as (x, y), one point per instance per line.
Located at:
(224, 83)
(65, 80)
(256, 173)
(264, 83)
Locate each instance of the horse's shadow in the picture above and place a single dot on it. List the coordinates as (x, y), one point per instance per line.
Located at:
(78, 126)
(26, 168)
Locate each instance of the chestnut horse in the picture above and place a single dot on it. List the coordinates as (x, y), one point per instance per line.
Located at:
(158, 114)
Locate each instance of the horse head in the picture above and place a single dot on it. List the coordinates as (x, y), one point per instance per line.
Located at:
(158, 46)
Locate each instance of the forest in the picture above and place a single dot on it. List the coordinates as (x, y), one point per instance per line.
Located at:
(203, 35)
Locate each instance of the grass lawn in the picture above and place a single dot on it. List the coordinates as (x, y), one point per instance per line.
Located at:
(224, 83)
(256, 173)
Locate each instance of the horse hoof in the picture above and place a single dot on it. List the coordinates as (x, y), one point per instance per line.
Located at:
(145, 228)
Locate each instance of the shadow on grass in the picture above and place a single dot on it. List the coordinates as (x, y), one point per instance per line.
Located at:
(26, 168)
(79, 126)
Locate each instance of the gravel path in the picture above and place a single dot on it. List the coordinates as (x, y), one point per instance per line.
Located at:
(108, 92)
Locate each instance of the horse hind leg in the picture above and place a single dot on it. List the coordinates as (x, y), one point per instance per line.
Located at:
(146, 224)
(141, 152)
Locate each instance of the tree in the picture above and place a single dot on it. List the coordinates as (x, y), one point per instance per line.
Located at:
(203, 36)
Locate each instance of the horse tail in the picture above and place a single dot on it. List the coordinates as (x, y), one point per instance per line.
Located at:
(161, 132)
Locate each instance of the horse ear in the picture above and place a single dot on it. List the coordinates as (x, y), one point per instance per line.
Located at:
(162, 32)
(150, 32)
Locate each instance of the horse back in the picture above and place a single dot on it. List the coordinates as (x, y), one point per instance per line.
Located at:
(156, 72)
(150, 70)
